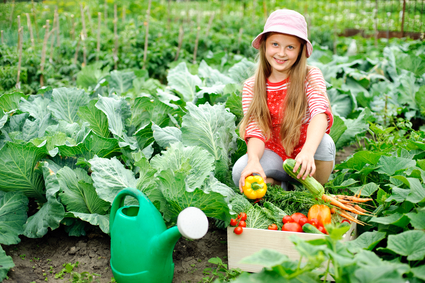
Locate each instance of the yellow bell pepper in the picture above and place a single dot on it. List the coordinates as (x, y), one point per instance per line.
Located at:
(254, 187)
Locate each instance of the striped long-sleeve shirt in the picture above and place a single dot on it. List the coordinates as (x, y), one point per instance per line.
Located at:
(317, 103)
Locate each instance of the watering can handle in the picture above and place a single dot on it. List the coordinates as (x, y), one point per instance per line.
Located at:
(119, 201)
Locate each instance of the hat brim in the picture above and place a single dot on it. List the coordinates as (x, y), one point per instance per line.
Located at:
(256, 42)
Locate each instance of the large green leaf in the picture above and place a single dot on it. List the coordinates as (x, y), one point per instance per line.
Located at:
(360, 159)
(342, 103)
(182, 81)
(382, 274)
(166, 136)
(407, 89)
(36, 128)
(117, 110)
(417, 219)
(390, 165)
(52, 212)
(121, 81)
(36, 106)
(66, 102)
(96, 118)
(10, 101)
(13, 215)
(6, 263)
(367, 240)
(212, 128)
(397, 219)
(409, 243)
(337, 129)
(145, 110)
(417, 191)
(419, 271)
(144, 136)
(212, 76)
(91, 145)
(78, 193)
(110, 176)
(94, 219)
(234, 103)
(411, 62)
(266, 257)
(365, 190)
(420, 99)
(355, 127)
(3, 120)
(90, 75)
(173, 187)
(242, 71)
(195, 162)
(17, 169)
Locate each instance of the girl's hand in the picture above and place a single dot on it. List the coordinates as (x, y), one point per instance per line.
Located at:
(251, 167)
(306, 161)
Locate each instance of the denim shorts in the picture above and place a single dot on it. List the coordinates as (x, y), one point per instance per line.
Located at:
(272, 163)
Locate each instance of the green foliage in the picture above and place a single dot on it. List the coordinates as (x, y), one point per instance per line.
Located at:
(219, 272)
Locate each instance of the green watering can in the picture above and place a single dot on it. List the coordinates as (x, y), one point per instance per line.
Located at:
(141, 245)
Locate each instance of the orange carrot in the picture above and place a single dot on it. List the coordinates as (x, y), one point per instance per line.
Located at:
(334, 201)
(353, 198)
(360, 209)
(350, 217)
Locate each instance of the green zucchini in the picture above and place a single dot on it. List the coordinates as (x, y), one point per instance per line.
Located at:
(308, 228)
(310, 183)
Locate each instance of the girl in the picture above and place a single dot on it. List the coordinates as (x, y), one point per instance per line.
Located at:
(286, 110)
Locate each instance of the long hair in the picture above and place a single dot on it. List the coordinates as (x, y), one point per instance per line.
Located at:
(294, 106)
(258, 110)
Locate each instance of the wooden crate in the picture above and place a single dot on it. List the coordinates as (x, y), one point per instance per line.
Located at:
(253, 240)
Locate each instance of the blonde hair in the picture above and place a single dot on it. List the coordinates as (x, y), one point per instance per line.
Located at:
(294, 107)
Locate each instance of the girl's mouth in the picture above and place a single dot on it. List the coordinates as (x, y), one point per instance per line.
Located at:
(279, 61)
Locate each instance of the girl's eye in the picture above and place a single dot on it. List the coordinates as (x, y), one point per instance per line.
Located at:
(290, 47)
(274, 44)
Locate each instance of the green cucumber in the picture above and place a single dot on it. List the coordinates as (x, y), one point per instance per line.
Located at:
(308, 228)
(310, 183)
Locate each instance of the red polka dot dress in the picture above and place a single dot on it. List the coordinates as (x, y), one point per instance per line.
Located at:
(276, 92)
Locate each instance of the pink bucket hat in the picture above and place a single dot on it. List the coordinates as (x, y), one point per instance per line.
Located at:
(287, 22)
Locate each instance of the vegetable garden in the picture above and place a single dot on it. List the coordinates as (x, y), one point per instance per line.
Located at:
(103, 95)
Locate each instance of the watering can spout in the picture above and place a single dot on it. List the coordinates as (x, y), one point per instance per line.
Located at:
(165, 242)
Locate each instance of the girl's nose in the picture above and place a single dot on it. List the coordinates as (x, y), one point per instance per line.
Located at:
(282, 52)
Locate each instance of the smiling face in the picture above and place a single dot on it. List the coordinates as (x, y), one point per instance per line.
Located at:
(281, 52)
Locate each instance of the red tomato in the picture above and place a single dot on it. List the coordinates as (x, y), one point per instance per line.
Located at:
(314, 222)
(233, 222)
(242, 223)
(287, 219)
(242, 216)
(302, 221)
(272, 227)
(238, 230)
(346, 220)
(292, 227)
(322, 229)
(297, 215)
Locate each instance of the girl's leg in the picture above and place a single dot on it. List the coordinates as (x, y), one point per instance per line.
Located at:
(324, 159)
(272, 165)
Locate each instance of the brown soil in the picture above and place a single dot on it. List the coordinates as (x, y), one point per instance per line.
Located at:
(40, 260)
